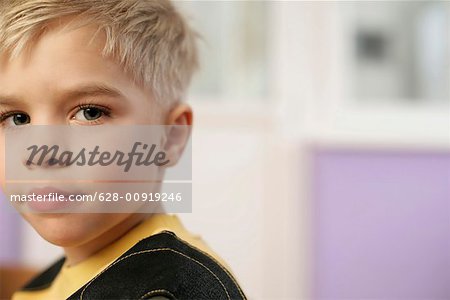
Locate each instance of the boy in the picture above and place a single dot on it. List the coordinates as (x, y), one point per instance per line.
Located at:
(94, 63)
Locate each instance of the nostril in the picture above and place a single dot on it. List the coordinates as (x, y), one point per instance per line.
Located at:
(49, 163)
(53, 161)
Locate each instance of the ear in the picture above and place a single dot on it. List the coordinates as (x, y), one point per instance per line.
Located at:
(179, 124)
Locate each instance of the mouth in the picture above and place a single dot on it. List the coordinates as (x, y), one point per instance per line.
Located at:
(50, 199)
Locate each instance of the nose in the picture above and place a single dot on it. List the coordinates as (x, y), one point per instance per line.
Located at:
(48, 119)
(43, 157)
(44, 147)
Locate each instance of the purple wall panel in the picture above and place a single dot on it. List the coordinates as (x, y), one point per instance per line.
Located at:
(9, 232)
(381, 225)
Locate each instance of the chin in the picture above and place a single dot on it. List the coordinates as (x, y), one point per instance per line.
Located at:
(71, 230)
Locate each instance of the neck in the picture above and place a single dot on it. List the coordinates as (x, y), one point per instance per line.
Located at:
(75, 255)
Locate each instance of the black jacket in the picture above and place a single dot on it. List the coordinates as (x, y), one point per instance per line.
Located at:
(161, 266)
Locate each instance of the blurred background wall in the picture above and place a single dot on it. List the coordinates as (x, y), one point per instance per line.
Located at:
(381, 225)
(321, 149)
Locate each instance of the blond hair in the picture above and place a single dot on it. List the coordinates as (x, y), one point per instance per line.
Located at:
(148, 38)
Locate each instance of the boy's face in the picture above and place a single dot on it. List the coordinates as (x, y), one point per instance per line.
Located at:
(46, 86)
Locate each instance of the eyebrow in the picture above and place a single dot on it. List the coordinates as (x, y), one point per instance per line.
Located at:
(8, 100)
(82, 91)
(92, 90)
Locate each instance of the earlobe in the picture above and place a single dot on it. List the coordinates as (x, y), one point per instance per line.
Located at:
(179, 123)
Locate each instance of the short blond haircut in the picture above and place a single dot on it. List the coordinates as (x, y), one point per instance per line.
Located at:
(148, 38)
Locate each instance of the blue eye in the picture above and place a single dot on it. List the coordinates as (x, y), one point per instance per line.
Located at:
(21, 119)
(15, 119)
(89, 114)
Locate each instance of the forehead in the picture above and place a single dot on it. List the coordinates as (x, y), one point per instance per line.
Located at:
(58, 58)
(65, 31)
(56, 43)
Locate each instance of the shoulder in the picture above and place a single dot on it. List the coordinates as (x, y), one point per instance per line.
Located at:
(163, 265)
(45, 279)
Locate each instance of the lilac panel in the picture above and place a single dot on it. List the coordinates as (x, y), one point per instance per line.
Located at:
(9, 232)
(381, 225)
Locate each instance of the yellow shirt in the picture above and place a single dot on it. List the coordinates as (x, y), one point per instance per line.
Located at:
(70, 279)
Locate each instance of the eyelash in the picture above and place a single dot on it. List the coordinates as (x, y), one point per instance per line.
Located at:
(6, 114)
